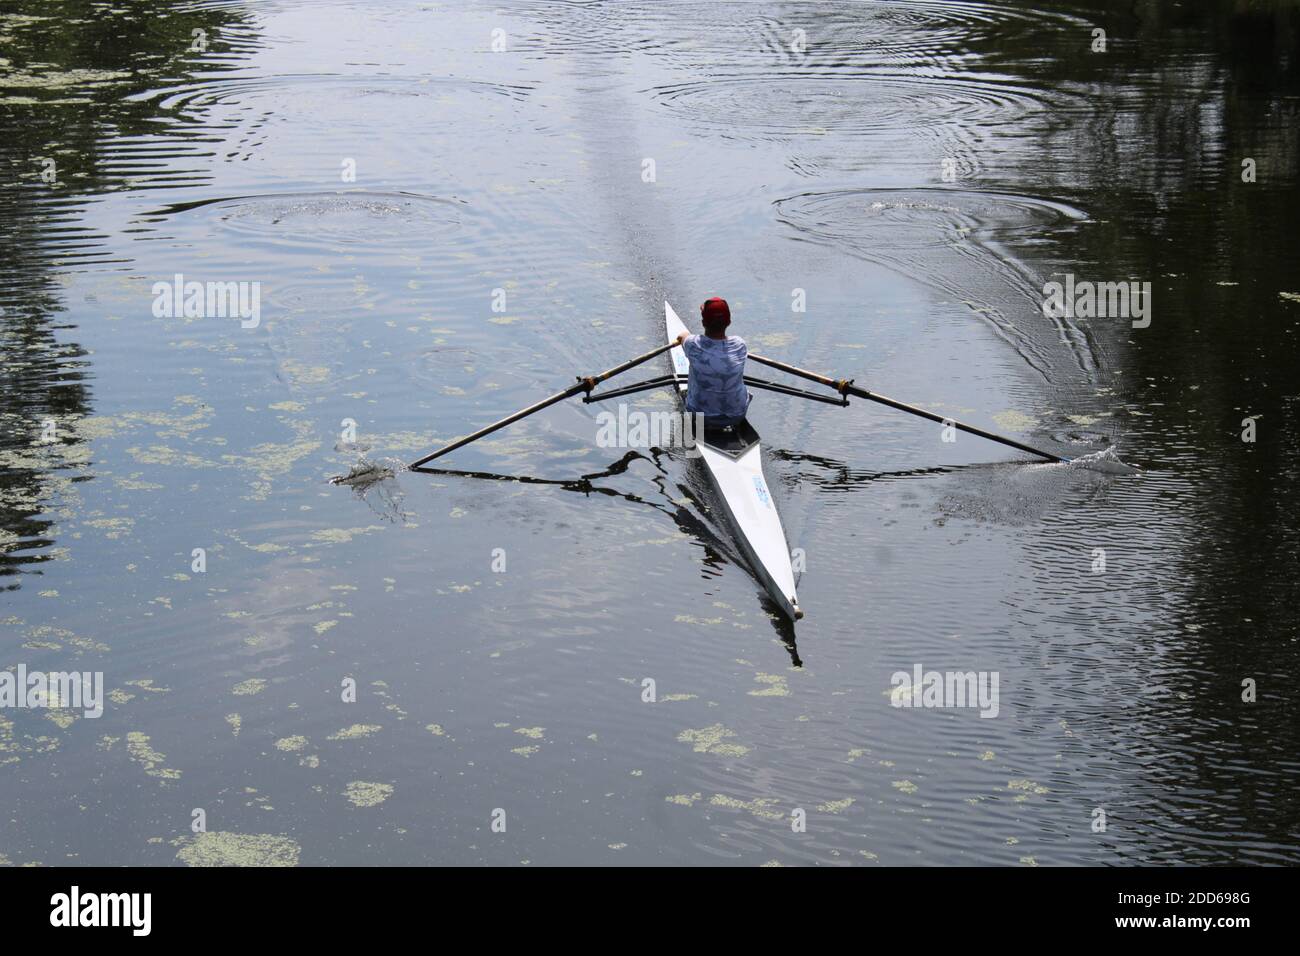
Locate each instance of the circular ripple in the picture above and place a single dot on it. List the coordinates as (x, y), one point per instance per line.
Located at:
(784, 105)
(372, 219)
(957, 241)
(730, 33)
(333, 101)
(869, 219)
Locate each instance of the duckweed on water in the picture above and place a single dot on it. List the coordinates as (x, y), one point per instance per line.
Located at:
(1014, 421)
(1026, 788)
(364, 794)
(777, 686)
(835, 806)
(221, 848)
(139, 749)
(760, 807)
(710, 740)
(146, 684)
(356, 732)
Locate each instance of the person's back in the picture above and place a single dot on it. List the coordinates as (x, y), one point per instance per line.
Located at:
(716, 385)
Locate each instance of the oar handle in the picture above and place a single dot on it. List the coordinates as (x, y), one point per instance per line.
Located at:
(584, 384)
(801, 372)
(846, 387)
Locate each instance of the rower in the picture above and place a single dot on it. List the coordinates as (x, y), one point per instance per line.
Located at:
(715, 387)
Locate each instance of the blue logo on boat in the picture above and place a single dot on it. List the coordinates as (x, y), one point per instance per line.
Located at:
(761, 489)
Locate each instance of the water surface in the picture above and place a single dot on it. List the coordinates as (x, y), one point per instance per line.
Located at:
(917, 170)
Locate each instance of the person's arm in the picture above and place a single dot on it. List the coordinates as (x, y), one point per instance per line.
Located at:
(683, 337)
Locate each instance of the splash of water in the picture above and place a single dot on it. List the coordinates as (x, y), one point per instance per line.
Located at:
(365, 472)
(1106, 461)
(374, 481)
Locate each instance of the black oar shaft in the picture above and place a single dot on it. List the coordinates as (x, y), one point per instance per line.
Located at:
(582, 385)
(942, 420)
(495, 426)
(845, 387)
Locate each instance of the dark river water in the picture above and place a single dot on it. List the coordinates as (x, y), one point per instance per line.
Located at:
(452, 209)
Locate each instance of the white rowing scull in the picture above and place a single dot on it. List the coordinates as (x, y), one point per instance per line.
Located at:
(732, 458)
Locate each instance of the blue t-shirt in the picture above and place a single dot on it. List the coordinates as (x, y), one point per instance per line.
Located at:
(716, 384)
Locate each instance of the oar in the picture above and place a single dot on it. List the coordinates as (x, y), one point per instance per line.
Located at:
(846, 387)
(584, 384)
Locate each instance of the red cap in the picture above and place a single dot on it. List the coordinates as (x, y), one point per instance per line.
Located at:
(715, 313)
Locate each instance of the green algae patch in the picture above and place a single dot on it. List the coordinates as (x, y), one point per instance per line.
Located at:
(702, 621)
(776, 686)
(364, 794)
(1014, 421)
(301, 374)
(247, 688)
(683, 799)
(1027, 789)
(147, 684)
(356, 732)
(534, 732)
(60, 718)
(835, 806)
(236, 723)
(221, 848)
(140, 750)
(710, 740)
(906, 786)
(760, 807)
(112, 527)
(291, 744)
(341, 535)
(47, 635)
